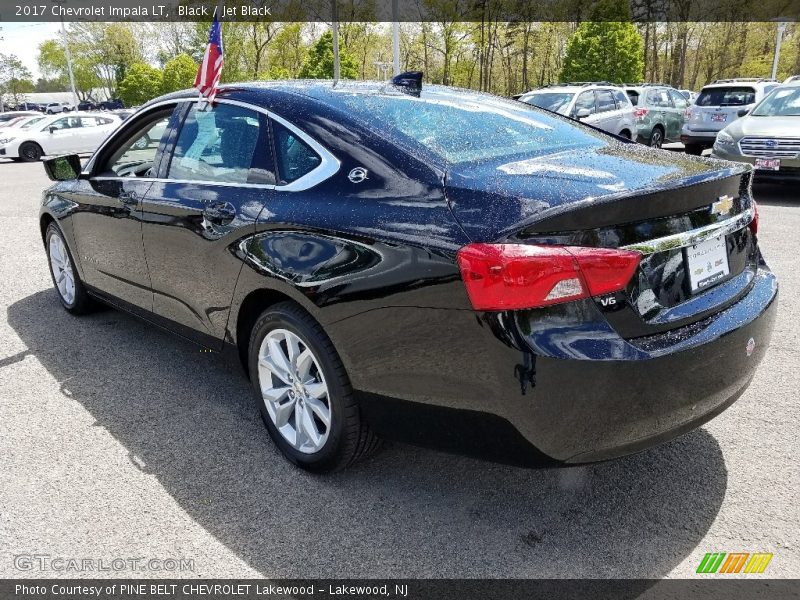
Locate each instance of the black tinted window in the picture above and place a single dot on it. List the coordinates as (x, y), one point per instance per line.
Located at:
(225, 143)
(727, 96)
(634, 96)
(295, 158)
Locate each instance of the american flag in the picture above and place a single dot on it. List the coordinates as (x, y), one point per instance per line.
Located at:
(211, 68)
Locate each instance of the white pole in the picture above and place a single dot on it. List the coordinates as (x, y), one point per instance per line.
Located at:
(69, 58)
(778, 40)
(335, 31)
(395, 38)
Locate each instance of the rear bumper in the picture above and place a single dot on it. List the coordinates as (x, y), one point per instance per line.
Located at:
(470, 388)
(705, 138)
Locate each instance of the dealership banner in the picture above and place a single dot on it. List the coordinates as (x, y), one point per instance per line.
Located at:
(386, 10)
(414, 589)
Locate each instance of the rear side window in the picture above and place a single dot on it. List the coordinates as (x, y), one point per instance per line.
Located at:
(225, 143)
(295, 158)
(605, 101)
(621, 98)
(727, 96)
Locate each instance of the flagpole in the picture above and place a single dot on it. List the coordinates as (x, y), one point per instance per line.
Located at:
(395, 38)
(335, 28)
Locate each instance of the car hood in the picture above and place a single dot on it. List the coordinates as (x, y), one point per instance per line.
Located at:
(764, 126)
(615, 180)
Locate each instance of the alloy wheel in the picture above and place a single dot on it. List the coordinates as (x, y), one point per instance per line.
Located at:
(61, 266)
(294, 390)
(656, 139)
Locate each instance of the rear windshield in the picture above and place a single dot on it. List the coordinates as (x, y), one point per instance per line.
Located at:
(464, 128)
(554, 101)
(780, 103)
(727, 96)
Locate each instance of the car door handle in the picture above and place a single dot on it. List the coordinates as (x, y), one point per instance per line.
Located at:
(128, 197)
(219, 213)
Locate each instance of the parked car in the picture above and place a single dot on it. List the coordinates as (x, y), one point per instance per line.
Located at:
(659, 113)
(15, 114)
(86, 105)
(57, 107)
(604, 106)
(80, 133)
(717, 106)
(768, 137)
(114, 104)
(399, 269)
(792, 79)
(19, 122)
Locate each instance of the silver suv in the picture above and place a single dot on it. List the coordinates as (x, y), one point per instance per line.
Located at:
(718, 105)
(602, 105)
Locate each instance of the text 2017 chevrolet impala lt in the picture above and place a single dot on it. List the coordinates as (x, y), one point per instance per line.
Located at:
(429, 265)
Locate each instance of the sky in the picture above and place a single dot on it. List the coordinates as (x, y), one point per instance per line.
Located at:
(23, 39)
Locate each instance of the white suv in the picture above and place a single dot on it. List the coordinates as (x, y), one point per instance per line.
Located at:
(603, 105)
(718, 105)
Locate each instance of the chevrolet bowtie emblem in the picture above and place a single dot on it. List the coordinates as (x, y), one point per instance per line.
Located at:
(722, 206)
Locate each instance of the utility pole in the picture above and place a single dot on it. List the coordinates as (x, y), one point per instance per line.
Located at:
(395, 38)
(69, 56)
(335, 31)
(778, 40)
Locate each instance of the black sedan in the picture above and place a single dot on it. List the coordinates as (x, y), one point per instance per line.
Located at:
(432, 265)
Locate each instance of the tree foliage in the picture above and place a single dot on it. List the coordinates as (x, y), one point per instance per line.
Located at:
(142, 83)
(178, 74)
(605, 49)
(15, 79)
(319, 62)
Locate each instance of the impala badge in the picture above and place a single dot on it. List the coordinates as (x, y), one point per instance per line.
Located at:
(357, 175)
(722, 206)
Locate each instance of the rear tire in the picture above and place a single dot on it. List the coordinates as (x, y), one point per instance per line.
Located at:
(30, 152)
(308, 407)
(69, 287)
(657, 137)
(625, 134)
(693, 149)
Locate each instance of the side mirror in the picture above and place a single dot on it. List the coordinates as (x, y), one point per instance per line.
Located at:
(53, 129)
(582, 113)
(63, 168)
(743, 112)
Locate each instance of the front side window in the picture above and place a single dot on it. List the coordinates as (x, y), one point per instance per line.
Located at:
(224, 143)
(678, 99)
(65, 123)
(659, 98)
(585, 100)
(136, 156)
(295, 158)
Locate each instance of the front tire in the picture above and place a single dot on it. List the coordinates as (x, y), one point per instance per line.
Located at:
(303, 392)
(69, 287)
(30, 152)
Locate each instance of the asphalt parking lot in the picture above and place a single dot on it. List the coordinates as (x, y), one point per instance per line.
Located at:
(118, 440)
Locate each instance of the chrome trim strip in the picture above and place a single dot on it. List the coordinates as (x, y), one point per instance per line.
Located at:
(261, 186)
(695, 236)
(328, 166)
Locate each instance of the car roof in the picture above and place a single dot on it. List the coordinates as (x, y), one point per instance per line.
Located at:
(740, 83)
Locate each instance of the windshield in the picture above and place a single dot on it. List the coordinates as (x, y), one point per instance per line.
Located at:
(782, 102)
(554, 101)
(30, 123)
(727, 96)
(464, 127)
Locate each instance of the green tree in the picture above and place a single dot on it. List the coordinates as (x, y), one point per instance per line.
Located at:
(319, 62)
(142, 83)
(53, 62)
(15, 79)
(179, 74)
(606, 48)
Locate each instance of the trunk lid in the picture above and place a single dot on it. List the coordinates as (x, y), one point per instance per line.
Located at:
(621, 196)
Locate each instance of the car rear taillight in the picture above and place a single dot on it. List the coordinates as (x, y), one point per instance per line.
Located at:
(754, 222)
(640, 113)
(518, 276)
(687, 114)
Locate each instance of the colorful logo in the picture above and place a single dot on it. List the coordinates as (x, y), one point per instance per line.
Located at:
(734, 562)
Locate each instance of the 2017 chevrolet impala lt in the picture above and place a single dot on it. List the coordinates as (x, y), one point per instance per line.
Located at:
(432, 265)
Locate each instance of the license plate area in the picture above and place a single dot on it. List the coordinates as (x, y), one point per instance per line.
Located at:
(707, 263)
(768, 164)
(719, 117)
